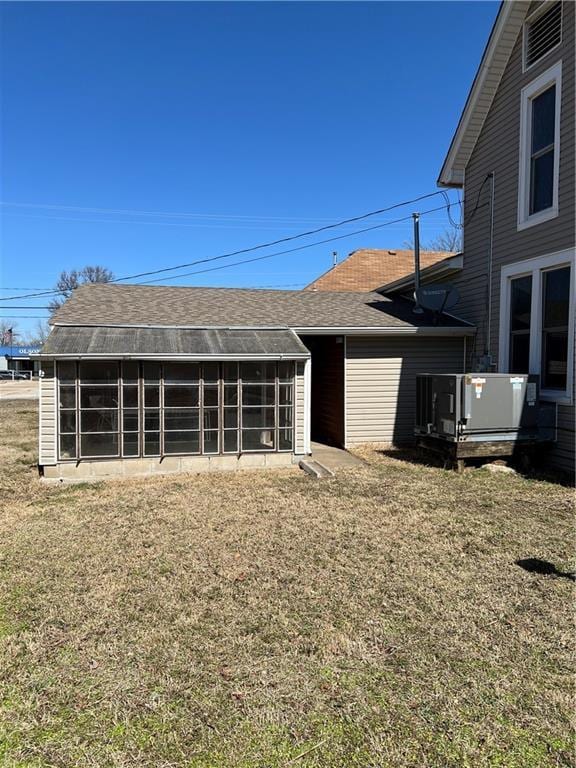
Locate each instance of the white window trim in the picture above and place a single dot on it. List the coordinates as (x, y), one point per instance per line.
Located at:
(536, 267)
(530, 20)
(552, 76)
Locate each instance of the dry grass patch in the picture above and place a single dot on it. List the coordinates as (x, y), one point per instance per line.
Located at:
(267, 619)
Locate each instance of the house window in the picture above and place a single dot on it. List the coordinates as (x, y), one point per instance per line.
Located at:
(542, 32)
(537, 321)
(539, 149)
(555, 320)
(132, 409)
(520, 304)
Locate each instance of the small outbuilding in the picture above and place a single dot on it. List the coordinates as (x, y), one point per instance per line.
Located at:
(142, 379)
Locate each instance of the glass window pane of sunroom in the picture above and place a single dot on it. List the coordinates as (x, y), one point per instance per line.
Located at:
(181, 397)
(175, 373)
(258, 417)
(67, 371)
(258, 372)
(99, 397)
(182, 442)
(99, 372)
(258, 394)
(98, 421)
(99, 445)
(257, 439)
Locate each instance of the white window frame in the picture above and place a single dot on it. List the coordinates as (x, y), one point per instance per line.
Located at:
(530, 20)
(537, 267)
(552, 76)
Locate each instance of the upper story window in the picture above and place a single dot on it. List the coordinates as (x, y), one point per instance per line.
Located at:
(537, 321)
(542, 32)
(540, 148)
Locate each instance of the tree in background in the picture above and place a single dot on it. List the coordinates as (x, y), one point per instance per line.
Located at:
(449, 240)
(38, 336)
(68, 281)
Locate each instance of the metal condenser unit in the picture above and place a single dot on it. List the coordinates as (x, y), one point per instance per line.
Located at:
(482, 414)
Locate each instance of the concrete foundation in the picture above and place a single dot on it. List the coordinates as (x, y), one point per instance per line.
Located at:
(86, 470)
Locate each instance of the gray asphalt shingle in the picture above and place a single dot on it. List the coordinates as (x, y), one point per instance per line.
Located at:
(115, 304)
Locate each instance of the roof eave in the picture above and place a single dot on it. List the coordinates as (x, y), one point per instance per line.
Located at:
(443, 269)
(510, 18)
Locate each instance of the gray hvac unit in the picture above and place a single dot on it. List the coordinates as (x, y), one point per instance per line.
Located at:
(482, 414)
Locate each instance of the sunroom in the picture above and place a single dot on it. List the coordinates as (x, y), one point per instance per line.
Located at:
(130, 401)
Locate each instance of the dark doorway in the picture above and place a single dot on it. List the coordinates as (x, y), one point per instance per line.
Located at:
(327, 388)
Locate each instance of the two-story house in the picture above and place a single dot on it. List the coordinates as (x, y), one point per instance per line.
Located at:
(513, 157)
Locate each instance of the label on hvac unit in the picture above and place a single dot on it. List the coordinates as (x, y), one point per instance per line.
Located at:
(448, 426)
(531, 393)
(478, 380)
(516, 379)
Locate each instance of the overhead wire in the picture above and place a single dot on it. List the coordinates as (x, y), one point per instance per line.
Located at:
(264, 245)
(250, 249)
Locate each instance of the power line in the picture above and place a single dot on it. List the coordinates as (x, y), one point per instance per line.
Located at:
(268, 244)
(168, 214)
(289, 250)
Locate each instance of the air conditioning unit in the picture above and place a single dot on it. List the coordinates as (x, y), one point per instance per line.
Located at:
(482, 414)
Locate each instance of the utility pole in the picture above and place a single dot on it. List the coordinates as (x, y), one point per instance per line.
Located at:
(416, 217)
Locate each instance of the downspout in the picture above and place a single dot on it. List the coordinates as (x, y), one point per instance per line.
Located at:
(487, 355)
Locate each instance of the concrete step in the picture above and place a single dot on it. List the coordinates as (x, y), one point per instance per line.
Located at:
(315, 469)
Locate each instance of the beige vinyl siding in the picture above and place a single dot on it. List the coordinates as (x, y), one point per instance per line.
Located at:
(47, 427)
(381, 383)
(299, 407)
(497, 150)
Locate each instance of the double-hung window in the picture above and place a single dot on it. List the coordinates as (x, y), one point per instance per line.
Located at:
(540, 148)
(537, 321)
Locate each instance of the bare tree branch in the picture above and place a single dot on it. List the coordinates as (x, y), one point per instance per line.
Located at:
(68, 281)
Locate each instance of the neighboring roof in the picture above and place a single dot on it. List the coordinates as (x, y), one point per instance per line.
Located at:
(69, 341)
(107, 304)
(443, 269)
(502, 39)
(369, 268)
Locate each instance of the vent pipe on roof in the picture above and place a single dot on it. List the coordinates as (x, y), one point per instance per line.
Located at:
(334, 258)
(417, 308)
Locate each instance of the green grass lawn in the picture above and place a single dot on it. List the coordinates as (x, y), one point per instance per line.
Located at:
(267, 619)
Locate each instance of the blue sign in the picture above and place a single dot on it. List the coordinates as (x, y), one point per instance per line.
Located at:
(17, 350)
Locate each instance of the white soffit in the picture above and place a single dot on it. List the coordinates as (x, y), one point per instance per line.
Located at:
(496, 55)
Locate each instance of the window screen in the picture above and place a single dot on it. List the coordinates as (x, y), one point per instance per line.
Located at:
(109, 409)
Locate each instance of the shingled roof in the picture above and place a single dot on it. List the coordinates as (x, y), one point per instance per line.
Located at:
(369, 268)
(107, 304)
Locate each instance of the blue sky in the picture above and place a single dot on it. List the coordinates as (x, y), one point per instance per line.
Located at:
(258, 120)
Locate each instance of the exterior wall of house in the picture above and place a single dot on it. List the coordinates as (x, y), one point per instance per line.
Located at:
(86, 469)
(498, 151)
(47, 405)
(299, 411)
(380, 387)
